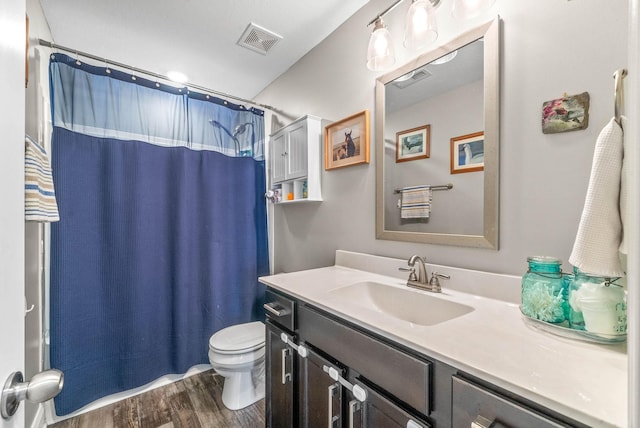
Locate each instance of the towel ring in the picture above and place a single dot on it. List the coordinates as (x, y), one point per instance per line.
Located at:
(619, 93)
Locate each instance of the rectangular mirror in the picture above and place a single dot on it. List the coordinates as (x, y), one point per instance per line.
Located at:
(437, 128)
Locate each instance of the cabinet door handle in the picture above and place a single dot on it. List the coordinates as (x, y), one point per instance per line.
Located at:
(354, 406)
(285, 376)
(269, 307)
(331, 417)
(481, 422)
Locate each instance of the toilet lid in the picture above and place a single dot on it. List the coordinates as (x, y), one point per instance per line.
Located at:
(241, 337)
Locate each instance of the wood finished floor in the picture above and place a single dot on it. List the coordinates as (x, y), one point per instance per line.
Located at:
(194, 402)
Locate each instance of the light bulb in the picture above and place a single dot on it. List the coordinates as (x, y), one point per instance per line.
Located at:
(380, 53)
(421, 27)
(470, 8)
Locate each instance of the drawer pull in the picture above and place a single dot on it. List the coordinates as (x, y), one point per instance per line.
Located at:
(354, 406)
(481, 422)
(332, 418)
(269, 307)
(285, 376)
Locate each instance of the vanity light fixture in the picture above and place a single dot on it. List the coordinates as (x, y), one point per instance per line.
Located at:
(421, 28)
(380, 53)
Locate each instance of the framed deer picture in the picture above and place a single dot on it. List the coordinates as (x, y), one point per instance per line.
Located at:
(346, 142)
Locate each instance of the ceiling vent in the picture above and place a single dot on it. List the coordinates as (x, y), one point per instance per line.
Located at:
(258, 39)
(414, 76)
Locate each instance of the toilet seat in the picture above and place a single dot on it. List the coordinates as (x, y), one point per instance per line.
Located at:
(238, 338)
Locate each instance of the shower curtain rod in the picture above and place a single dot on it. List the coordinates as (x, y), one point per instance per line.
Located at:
(48, 44)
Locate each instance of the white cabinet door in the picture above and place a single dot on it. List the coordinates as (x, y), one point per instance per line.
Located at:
(289, 150)
(278, 158)
(12, 108)
(297, 141)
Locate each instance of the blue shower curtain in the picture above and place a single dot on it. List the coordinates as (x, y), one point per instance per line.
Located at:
(162, 231)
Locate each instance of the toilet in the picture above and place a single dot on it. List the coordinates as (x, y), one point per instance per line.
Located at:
(237, 354)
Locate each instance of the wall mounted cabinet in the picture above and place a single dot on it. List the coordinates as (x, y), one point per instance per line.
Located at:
(295, 159)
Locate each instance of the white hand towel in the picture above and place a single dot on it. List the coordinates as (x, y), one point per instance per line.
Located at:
(416, 202)
(600, 231)
(624, 213)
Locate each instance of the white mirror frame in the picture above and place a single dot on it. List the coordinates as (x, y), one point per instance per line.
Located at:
(489, 239)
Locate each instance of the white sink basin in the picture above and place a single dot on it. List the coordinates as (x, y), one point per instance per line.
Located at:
(404, 304)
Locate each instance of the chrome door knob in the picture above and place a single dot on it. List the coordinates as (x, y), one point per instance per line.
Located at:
(42, 387)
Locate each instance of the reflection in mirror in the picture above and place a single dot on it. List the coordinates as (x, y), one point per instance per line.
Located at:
(440, 186)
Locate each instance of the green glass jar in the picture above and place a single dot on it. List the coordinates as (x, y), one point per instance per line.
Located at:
(597, 305)
(543, 295)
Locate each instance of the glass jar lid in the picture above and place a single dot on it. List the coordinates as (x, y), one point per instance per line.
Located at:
(545, 260)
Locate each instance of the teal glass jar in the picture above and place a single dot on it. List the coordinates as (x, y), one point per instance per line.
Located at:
(543, 295)
(573, 315)
(597, 305)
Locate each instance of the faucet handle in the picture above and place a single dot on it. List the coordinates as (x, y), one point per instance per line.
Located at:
(412, 273)
(435, 281)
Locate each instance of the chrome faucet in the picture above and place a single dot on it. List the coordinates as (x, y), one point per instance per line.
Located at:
(422, 271)
(420, 280)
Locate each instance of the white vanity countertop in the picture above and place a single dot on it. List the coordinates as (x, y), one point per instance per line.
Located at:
(584, 381)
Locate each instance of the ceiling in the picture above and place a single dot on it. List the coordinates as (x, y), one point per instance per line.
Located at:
(197, 37)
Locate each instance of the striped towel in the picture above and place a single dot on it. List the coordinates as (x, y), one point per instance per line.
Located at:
(416, 202)
(40, 198)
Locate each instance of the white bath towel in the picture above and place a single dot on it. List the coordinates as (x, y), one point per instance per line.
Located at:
(416, 202)
(600, 231)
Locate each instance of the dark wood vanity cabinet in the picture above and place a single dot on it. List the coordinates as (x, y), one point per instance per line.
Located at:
(281, 391)
(281, 380)
(477, 406)
(321, 397)
(323, 371)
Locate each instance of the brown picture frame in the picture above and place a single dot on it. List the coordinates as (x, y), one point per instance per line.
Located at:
(467, 153)
(346, 142)
(413, 144)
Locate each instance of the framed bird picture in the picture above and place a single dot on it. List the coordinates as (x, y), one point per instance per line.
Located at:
(413, 144)
(467, 153)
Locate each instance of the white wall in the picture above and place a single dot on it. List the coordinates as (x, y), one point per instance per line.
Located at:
(549, 47)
